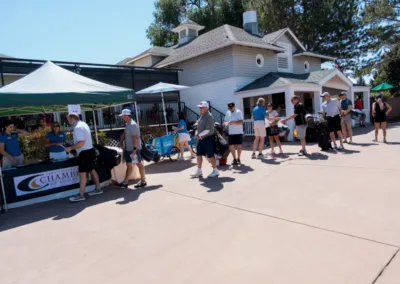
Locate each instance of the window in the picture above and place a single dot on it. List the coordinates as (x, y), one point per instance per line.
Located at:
(260, 60)
(192, 33)
(182, 34)
(306, 66)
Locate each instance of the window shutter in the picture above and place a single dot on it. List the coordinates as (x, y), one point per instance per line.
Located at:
(283, 62)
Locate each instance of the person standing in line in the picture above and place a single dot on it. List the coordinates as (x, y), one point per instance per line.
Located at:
(133, 145)
(54, 141)
(299, 116)
(380, 111)
(184, 137)
(205, 146)
(332, 109)
(346, 106)
(272, 130)
(358, 104)
(9, 145)
(83, 145)
(234, 120)
(258, 117)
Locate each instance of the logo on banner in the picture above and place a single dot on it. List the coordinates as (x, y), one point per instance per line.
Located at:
(45, 181)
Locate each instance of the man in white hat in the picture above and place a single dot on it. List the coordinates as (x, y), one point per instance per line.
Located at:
(83, 145)
(205, 146)
(133, 145)
(332, 109)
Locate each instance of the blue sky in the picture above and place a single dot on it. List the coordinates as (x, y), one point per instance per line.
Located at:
(97, 31)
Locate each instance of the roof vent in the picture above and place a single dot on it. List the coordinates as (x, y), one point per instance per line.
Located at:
(250, 23)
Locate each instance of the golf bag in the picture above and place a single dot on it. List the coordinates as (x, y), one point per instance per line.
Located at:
(149, 153)
(324, 140)
(310, 121)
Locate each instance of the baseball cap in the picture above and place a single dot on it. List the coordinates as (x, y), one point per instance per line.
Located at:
(203, 104)
(343, 94)
(231, 104)
(125, 112)
(73, 114)
(325, 94)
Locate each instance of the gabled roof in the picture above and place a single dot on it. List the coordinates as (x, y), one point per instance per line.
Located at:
(155, 51)
(218, 38)
(275, 79)
(312, 54)
(272, 38)
(5, 56)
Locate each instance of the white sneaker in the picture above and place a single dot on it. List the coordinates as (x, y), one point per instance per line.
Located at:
(193, 156)
(197, 174)
(215, 173)
(181, 159)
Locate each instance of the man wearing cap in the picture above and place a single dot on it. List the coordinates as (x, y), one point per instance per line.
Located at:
(205, 146)
(346, 105)
(234, 121)
(332, 109)
(299, 116)
(133, 145)
(86, 156)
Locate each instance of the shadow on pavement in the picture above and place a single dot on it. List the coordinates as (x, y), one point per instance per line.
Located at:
(215, 184)
(317, 156)
(365, 144)
(63, 209)
(349, 152)
(167, 166)
(242, 169)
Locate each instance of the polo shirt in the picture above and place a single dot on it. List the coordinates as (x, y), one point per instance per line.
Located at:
(11, 144)
(236, 115)
(345, 104)
(331, 108)
(259, 113)
(132, 129)
(300, 111)
(82, 133)
(53, 138)
(180, 124)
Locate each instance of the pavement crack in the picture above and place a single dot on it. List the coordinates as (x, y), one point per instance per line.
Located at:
(386, 266)
(281, 219)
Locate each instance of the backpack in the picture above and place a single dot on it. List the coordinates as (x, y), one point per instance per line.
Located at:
(108, 158)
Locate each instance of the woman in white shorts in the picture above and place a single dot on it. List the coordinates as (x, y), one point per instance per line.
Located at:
(184, 137)
(258, 116)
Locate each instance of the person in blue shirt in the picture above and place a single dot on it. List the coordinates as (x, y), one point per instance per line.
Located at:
(54, 141)
(258, 116)
(9, 145)
(184, 137)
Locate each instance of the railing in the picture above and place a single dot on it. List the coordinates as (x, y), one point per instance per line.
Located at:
(248, 127)
(217, 115)
(190, 115)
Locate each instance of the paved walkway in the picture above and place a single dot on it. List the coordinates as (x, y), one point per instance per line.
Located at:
(327, 218)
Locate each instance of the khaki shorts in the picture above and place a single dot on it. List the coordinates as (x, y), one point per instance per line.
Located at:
(259, 128)
(7, 163)
(301, 131)
(346, 119)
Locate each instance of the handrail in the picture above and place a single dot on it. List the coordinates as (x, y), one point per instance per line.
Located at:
(191, 115)
(217, 115)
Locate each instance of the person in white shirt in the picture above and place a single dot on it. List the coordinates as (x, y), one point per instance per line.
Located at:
(86, 156)
(272, 130)
(234, 120)
(332, 109)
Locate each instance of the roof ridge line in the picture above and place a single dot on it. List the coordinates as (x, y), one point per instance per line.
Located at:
(229, 32)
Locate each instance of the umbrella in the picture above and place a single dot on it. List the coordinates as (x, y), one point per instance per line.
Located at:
(162, 88)
(382, 87)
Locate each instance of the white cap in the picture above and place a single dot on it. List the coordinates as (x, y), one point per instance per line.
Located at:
(73, 114)
(126, 112)
(325, 94)
(203, 104)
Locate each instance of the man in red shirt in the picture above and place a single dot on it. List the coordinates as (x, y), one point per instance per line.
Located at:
(358, 104)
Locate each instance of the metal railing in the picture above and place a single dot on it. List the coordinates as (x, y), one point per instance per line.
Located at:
(217, 115)
(190, 115)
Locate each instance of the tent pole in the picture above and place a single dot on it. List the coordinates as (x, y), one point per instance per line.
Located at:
(165, 114)
(137, 116)
(3, 189)
(95, 126)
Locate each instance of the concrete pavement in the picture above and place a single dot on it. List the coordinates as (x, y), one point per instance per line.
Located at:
(327, 218)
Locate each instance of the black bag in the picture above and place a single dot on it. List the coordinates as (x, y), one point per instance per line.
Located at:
(311, 135)
(324, 140)
(108, 158)
(149, 153)
(221, 147)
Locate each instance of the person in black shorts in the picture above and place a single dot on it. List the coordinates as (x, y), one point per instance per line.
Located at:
(332, 109)
(234, 121)
(380, 111)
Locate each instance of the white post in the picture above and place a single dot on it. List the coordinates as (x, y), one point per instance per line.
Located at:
(95, 126)
(351, 93)
(317, 101)
(289, 111)
(165, 114)
(3, 190)
(137, 114)
(367, 106)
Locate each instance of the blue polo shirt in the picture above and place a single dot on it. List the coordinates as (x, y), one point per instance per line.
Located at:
(180, 124)
(53, 138)
(259, 113)
(11, 145)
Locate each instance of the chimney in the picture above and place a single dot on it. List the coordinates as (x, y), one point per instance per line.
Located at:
(250, 23)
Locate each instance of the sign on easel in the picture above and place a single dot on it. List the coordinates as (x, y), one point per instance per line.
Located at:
(74, 109)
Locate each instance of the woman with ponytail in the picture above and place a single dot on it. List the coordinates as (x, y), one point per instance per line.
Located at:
(380, 111)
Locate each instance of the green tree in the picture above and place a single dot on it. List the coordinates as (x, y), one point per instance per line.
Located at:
(388, 70)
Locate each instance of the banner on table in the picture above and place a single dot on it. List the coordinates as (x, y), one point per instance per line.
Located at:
(45, 181)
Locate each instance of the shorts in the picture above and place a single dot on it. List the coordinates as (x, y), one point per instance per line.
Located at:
(346, 119)
(87, 160)
(205, 147)
(183, 137)
(135, 160)
(334, 123)
(7, 162)
(380, 119)
(273, 130)
(235, 139)
(259, 128)
(58, 155)
(301, 131)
